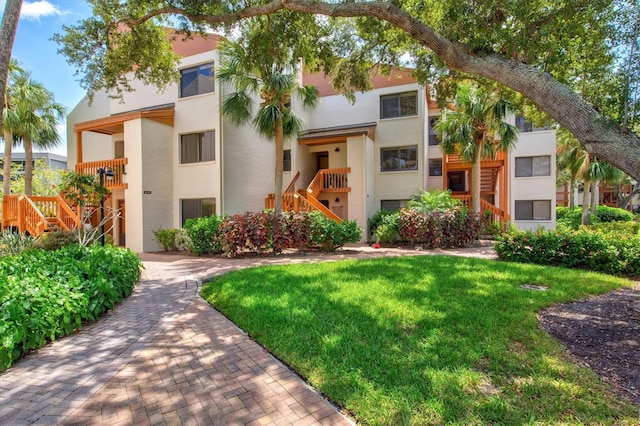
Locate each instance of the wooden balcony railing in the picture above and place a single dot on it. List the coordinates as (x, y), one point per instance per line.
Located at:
(117, 165)
(329, 180)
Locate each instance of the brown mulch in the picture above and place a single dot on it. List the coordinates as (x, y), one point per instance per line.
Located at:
(603, 332)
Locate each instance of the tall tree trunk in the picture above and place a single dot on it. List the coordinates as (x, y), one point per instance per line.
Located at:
(6, 166)
(28, 166)
(595, 196)
(572, 193)
(7, 35)
(586, 203)
(279, 140)
(623, 201)
(475, 181)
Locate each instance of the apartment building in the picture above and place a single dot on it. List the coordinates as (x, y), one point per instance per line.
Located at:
(174, 156)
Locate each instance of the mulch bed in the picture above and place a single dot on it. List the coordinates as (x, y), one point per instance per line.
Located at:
(603, 332)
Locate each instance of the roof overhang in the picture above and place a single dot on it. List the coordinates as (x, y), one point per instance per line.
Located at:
(337, 134)
(115, 123)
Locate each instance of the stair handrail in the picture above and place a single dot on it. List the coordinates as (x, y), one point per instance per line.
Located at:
(321, 207)
(32, 220)
(10, 209)
(292, 185)
(316, 184)
(66, 214)
(497, 214)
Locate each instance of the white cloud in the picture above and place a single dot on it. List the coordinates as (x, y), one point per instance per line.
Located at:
(39, 9)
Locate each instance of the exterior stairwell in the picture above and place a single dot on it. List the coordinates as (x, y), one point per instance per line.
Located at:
(306, 200)
(36, 215)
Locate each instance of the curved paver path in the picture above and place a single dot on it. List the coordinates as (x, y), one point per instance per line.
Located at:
(164, 356)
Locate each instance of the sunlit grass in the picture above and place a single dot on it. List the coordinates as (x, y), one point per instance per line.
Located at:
(425, 340)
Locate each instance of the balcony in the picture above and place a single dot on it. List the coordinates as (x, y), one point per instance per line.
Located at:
(117, 165)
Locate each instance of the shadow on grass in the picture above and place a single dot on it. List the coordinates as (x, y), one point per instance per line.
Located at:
(419, 340)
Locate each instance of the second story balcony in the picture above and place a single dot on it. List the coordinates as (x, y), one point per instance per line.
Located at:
(117, 166)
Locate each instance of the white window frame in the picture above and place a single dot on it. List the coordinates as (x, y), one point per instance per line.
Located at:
(398, 108)
(202, 154)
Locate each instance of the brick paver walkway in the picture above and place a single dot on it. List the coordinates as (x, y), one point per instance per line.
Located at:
(165, 356)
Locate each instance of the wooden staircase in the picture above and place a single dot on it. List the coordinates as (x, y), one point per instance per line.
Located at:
(36, 215)
(305, 200)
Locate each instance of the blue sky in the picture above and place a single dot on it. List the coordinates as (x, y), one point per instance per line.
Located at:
(39, 21)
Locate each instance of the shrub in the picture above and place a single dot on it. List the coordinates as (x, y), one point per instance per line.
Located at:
(387, 229)
(612, 214)
(57, 239)
(171, 239)
(434, 200)
(575, 249)
(454, 227)
(47, 294)
(375, 220)
(620, 229)
(204, 234)
(12, 243)
(569, 218)
(327, 234)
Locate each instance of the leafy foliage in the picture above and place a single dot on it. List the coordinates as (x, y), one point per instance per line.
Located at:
(204, 234)
(428, 201)
(596, 251)
(603, 214)
(450, 228)
(259, 233)
(387, 230)
(14, 242)
(57, 239)
(48, 294)
(171, 239)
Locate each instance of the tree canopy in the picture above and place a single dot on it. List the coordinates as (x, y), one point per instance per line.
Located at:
(545, 50)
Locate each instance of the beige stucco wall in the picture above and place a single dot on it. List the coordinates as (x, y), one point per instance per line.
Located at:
(95, 146)
(538, 187)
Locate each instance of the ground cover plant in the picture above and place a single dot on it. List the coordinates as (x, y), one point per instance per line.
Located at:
(426, 340)
(48, 294)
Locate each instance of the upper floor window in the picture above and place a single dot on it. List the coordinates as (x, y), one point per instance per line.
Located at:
(399, 105)
(525, 126)
(286, 165)
(435, 167)
(197, 147)
(196, 80)
(399, 159)
(434, 139)
(533, 166)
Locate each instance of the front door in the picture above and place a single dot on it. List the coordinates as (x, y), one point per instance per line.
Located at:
(121, 224)
(322, 160)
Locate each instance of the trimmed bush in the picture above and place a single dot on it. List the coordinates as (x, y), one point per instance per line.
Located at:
(603, 214)
(171, 239)
(57, 239)
(48, 294)
(454, 227)
(387, 229)
(612, 254)
(259, 233)
(204, 234)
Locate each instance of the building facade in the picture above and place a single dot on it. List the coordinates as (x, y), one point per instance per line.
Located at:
(175, 156)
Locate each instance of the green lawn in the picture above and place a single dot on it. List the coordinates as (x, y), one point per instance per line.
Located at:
(425, 340)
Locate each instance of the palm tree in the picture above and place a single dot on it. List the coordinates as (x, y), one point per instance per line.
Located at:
(474, 128)
(39, 127)
(255, 65)
(570, 158)
(11, 117)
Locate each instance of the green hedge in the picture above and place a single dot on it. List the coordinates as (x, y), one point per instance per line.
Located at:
(603, 214)
(48, 294)
(610, 253)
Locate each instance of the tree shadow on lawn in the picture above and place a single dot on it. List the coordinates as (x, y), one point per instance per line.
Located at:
(450, 340)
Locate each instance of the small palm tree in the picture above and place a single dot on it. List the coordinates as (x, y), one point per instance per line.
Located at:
(255, 65)
(474, 128)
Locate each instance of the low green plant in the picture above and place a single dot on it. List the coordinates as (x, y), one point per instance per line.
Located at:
(57, 239)
(48, 294)
(454, 227)
(171, 239)
(12, 242)
(434, 200)
(375, 220)
(603, 214)
(204, 234)
(584, 248)
(329, 235)
(387, 230)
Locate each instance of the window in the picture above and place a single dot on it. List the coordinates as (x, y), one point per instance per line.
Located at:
(197, 147)
(399, 159)
(533, 210)
(435, 167)
(392, 205)
(525, 126)
(434, 139)
(287, 160)
(533, 166)
(196, 80)
(197, 207)
(399, 105)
